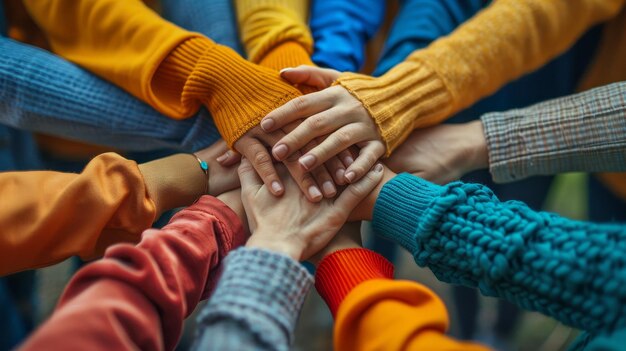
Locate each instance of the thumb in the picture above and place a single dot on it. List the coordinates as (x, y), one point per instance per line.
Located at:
(250, 180)
(316, 77)
(355, 193)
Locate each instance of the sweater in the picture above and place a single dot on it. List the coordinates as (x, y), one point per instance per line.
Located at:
(173, 70)
(506, 40)
(49, 216)
(136, 297)
(570, 270)
(374, 312)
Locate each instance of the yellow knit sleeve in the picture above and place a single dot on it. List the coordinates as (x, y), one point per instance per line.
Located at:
(275, 32)
(383, 314)
(501, 43)
(47, 217)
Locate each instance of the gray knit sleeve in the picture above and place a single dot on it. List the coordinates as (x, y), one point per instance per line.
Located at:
(256, 303)
(583, 132)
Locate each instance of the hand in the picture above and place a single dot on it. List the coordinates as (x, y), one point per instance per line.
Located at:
(364, 211)
(290, 224)
(221, 178)
(232, 199)
(332, 113)
(442, 153)
(348, 237)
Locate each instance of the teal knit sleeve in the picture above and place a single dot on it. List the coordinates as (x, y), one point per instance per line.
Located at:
(570, 270)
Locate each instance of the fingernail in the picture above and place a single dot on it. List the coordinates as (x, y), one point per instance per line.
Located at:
(307, 161)
(329, 188)
(348, 160)
(267, 124)
(280, 151)
(222, 158)
(340, 173)
(277, 187)
(285, 69)
(350, 175)
(378, 168)
(314, 192)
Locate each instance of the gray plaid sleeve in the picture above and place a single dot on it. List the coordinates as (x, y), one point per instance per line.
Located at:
(585, 132)
(256, 303)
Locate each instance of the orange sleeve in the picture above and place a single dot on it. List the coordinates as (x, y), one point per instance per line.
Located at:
(374, 312)
(47, 217)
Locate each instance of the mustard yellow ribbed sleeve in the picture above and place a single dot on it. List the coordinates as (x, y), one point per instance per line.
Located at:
(506, 40)
(174, 70)
(47, 217)
(275, 33)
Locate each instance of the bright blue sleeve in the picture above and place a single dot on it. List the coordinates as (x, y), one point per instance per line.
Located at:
(341, 29)
(570, 270)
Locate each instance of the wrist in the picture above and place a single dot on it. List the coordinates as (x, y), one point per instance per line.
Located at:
(264, 241)
(479, 156)
(173, 181)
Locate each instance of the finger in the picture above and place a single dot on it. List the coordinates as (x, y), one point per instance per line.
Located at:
(229, 158)
(355, 193)
(319, 78)
(318, 125)
(334, 144)
(368, 155)
(298, 108)
(250, 181)
(321, 175)
(347, 158)
(336, 168)
(259, 157)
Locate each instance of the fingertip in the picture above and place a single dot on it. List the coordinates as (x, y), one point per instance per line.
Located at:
(286, 69)
(314, 193)
(277, 188)
(267, 124)
(350, 176)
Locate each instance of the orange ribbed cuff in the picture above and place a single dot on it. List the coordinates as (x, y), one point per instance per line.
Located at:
(343, 270)
(287, 54)
(409, 96)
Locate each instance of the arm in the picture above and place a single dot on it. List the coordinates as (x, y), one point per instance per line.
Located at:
(256, 304)
(473, 62)
(582, 132)
(42, 92)
(341, 30)
(358, 286)
(275, 32)
(540, 261)
(136, 297)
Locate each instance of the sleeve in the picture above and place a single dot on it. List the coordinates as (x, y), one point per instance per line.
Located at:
(374, 312)
(582, 132)
(256, 303)
(341, 30)
(175, 71)
(136, 297)
(472, 62)
(275, 32)
(48, 216)
(537, 260)
(45, 93)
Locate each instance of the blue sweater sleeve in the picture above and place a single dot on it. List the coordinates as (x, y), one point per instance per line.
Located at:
(341, 29)
(570, 270)
(256, 303)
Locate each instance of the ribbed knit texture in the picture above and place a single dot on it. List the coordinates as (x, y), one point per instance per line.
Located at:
(457, 70)
(570, 270)
(263, 292)
(286, 54)
(409, 96)
(265, 24)
(340, 272)
(236, 92)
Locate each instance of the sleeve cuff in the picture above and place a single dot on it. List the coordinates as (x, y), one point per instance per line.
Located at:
(258, 287)
(340, 272)
(400, 206)
(287, 54)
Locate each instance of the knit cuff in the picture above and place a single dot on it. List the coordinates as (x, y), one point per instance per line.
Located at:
(236, 92)
(258, 287)
(409, 96)
(400, 206)
(287, 54)
(342, 271)
(170, 78)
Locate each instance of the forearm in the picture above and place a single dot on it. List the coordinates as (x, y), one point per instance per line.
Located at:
(585, 132)
(540, 261)
(341, 29)
(143, 292)
(256, 303)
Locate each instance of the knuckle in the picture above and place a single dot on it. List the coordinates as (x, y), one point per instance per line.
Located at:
(343, 138)
(299, 103)
(317, 122)
(261, 158)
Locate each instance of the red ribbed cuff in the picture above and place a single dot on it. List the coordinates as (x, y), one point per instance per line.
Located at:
(341, 271)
